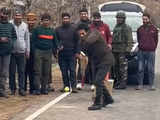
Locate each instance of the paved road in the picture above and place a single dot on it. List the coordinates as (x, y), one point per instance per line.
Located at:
(129, 105)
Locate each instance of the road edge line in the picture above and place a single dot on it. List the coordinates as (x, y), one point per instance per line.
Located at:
(47, 106)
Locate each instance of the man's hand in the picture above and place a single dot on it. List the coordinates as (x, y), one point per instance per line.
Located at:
(60, 48)
(3, 39)
(27, 54)
(78, 56)
(110, 46)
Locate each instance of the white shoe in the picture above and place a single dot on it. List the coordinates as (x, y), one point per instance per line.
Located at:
(153, 88)
(79, 86)
(93, 87)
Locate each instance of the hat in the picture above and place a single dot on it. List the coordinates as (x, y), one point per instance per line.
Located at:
(96, 14)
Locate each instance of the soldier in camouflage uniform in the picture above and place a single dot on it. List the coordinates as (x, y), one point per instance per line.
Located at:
(121, 46)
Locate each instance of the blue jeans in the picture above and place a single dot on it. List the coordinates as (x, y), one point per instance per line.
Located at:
(17, 61)
(4, 70)
(146, 63)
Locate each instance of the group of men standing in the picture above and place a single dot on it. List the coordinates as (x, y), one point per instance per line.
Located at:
(20, 42)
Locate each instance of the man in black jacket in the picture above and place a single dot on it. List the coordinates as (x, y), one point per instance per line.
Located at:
(95, 47)
(69, 40)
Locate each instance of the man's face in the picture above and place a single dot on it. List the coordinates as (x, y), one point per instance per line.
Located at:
(4, 17)
(146, 20)
(120, 20)
(82, 33)
(31, 23)
(97, 20)
(83, 16)
(46, 22)
(66, 20)
(18, 18)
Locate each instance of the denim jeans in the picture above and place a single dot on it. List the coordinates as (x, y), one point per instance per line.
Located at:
(146, 63)
(4, 70)
(17, 61)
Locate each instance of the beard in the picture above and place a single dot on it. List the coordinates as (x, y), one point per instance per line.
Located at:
(66, 25)
(4, 20)
(97, 23)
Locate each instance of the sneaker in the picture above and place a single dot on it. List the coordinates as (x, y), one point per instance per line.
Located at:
(139, 87)
(93, 87)
(22, 93)
(74, 90)
(152, 88)
(95, 107)
(79, 86)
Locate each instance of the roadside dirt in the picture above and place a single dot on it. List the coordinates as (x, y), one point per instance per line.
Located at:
(15, 104)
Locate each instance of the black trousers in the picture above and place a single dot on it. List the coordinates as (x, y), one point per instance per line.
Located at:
(101, 90)
(68, 68)
(29, 73)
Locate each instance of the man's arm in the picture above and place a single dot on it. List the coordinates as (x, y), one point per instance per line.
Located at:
(27, 42)
(14, 35)
(108, 36)
(129, 39)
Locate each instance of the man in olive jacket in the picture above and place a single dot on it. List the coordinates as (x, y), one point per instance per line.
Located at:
(95, 48)
(122, 44)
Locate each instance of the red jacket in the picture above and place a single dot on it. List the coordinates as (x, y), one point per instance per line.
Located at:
(104, 30)
(147, 37)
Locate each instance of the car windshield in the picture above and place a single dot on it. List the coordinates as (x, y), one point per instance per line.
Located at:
(134, 21)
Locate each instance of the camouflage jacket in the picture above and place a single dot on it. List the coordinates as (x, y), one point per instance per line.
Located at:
(122, 38)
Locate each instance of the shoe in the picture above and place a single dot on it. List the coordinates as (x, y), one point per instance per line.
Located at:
(79, 86)
(36, 92)
(152, 88)
(44, 92)
(139, 87)
(120, 87)
(93, 87)
(95, 107)
(3, 94)
(13, 92)
(107, 102)
(50, 89)
(22, 93)
(74, 90)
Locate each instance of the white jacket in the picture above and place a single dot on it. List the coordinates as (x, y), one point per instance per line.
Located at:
(22, 43)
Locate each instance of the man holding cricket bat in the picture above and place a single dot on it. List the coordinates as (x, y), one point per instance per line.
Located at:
(95, 48)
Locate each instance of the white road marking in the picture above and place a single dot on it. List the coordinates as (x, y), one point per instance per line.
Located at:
(47, 106)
